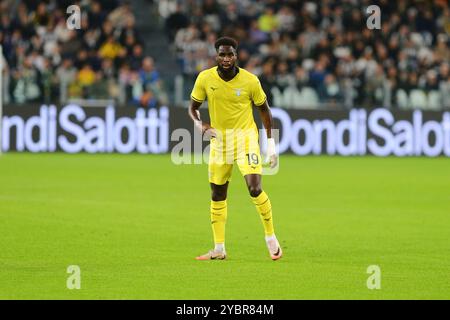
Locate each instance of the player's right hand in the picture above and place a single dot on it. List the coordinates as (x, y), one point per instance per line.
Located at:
(206, 129)
(210, 132)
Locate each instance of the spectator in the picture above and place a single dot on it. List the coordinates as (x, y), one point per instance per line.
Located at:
(72, 46)
(431, 81)
(125, 82)
(99, 88)
(110, 49)
(176, 21)
(257, 36)
(148, 74)
(267, 79)
(96, 15)
(48, 81)
(268, 22)
(5, 73)
(329, 91)
(122, 15)
(137, 56)
(283, 77)
(286, 19)
(301, 78)
(86, 76)
(317, 75)
(27, 82)
(167, 7)
(374, 87)
(41, 17)
(66, 75)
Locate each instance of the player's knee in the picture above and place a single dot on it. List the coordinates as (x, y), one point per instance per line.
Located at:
(218, 196)
(254, 190)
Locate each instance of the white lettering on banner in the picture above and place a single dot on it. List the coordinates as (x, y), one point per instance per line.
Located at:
(145, 133)
(376, 132)
(389, 137)
(128, 125)
(140, 125)
(446, 126)
(417, 123)
(181, 152)
(403, 138)
(380, 131)
(351, 126)
(163, 130)
(428, 128)
(95, 136)
(39, 122)
(52, 125)
(110, 117)
(8, 124)
(362, 136)
(71, 128)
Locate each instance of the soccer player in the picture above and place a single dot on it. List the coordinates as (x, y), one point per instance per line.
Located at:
(231, 92)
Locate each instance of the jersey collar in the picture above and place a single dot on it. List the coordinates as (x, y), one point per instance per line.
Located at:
(218, 76)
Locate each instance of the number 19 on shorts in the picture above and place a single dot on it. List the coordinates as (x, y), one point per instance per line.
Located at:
(252, 159)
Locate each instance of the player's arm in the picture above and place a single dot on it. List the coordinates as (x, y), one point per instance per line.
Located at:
(266, 117)
(198, 95)
(203, 127)
(259, 98)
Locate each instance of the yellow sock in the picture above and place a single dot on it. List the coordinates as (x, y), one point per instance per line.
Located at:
(264, 209)
(218, 220)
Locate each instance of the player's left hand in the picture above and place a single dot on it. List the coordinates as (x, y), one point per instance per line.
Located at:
(272, 157)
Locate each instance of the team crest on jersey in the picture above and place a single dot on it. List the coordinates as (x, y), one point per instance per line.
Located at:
(238, 92)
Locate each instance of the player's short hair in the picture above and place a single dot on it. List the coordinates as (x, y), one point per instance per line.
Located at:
(226, 41)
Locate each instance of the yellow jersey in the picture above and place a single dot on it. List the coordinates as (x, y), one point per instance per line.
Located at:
(229, 102)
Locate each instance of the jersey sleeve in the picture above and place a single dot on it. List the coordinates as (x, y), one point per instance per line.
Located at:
(198, 92)
(258, 95)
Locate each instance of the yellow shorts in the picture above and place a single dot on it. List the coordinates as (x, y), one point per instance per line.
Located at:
(245, 154)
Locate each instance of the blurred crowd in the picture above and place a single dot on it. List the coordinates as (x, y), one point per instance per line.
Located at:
(308, 52)
(47, 62)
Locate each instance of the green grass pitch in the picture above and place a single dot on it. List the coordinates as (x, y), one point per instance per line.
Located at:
(134, 223)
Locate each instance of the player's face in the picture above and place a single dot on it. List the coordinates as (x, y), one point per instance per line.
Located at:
(226, 58)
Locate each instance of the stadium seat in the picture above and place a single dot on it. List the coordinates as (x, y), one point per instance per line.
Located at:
(434, 100)
(277, 97)
(309, 98)
(297, 99)
(402, 99)
(290, 97)
(418, 99)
